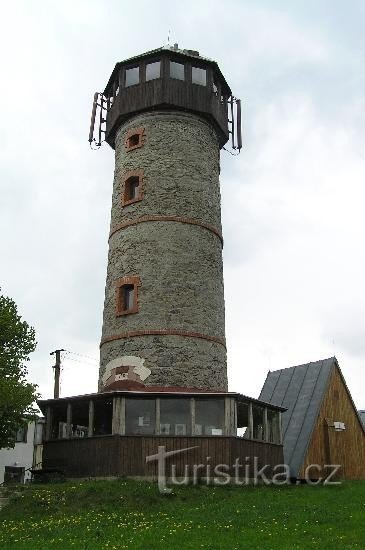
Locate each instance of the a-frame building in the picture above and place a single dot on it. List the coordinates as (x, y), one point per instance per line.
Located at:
(321, 425)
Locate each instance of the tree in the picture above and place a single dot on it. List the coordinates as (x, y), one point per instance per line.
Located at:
(17, 396)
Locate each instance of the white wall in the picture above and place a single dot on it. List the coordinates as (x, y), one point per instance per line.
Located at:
(22, 454)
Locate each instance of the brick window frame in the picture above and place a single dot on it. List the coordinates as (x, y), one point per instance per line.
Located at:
(120, 287)
(129, 179)
(134, 139)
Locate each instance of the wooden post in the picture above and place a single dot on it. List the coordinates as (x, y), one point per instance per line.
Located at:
(57, 372)
(250, 421)
(266, 426)
(91, 419)
(47, 434)
(227, 414)
(69, 421)
(122, 416)
(116, 416)
(158, 416)
(230, 425)
(120, 79)
(192, 415)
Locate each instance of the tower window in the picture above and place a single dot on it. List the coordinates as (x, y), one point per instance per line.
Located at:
(134, 139)
(198, 76)
(177, 70)
(131, 76)
(132, 188)
(127, 295)
(153, 70)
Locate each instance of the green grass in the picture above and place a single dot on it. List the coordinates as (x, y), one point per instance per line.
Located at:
(130, 514)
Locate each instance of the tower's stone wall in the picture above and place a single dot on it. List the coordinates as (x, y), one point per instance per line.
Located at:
(171, 240)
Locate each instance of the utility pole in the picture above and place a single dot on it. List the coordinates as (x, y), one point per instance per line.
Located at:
(57, 371)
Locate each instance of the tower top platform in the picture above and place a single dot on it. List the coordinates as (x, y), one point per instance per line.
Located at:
(167, 78)
(182, 53)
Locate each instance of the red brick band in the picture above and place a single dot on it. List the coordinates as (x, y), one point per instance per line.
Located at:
(177, 219)
(164, 332)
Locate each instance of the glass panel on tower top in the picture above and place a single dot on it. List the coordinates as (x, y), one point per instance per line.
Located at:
(177, 70)
(199, 76)
(153, 70)
(132, 76)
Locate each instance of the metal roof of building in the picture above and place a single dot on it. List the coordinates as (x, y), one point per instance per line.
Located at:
(301, 390)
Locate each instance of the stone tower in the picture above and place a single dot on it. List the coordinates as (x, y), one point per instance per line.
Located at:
(163, 324)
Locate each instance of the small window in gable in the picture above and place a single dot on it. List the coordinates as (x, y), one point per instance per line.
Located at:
(198, 76)
(127, 295)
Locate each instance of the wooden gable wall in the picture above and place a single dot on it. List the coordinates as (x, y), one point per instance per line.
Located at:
(328, 446)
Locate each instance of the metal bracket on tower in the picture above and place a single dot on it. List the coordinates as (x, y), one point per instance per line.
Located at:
(236, 124)
(97, 131)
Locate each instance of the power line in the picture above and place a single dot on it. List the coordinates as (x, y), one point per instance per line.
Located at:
(82, 355)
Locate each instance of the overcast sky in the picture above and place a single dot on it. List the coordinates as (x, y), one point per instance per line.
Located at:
(292, 203)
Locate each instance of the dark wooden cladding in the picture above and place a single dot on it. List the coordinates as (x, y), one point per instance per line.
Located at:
(118, 456)
(170, 93)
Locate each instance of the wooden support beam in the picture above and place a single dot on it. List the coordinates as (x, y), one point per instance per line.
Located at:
(230, 418)
(250, 421)
(47, 434)
(227, 416)
(90, 432)
(158, 416)
(69, 421)
(280, 427)
(116, 415)
(266, 426)
(122, 416)
(192, 415)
